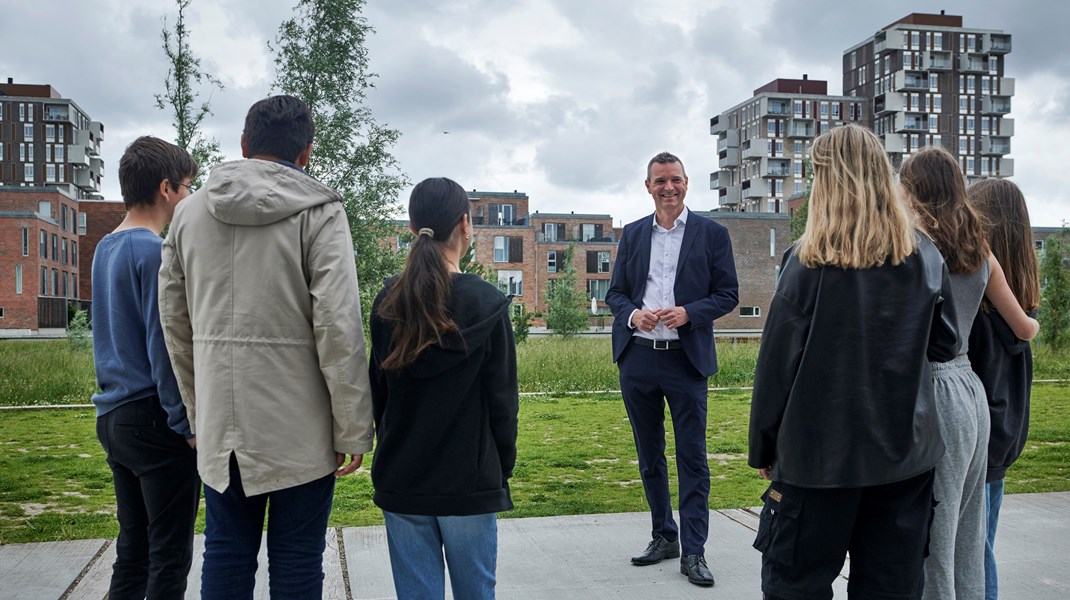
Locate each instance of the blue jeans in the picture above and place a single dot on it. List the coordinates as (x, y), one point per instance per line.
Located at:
(994, 499)
(296, 529)
(416, 543)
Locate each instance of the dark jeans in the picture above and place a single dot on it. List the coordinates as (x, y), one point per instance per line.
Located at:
(804, 535)
(156, 494)
(296, 530)
(649, 378)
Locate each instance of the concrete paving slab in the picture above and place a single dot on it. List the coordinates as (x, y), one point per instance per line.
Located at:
(43, 571)
(1033, 546)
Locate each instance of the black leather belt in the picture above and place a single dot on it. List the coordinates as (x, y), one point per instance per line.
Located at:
(658, 344)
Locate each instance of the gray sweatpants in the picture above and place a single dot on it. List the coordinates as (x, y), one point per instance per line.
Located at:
(955, 567)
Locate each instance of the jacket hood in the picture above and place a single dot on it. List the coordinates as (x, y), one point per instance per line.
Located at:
(261, 192)
(477, 307)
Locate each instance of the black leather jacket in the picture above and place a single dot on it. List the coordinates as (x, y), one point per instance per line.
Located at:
(843, 393)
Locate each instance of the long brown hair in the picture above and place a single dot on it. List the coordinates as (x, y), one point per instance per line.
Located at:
(417, 302)
(1005, 218)
(856, 219)
(937, 187)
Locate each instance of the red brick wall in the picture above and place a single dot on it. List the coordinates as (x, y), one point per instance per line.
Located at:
(18, 210)
(755, 264)
(101, 218)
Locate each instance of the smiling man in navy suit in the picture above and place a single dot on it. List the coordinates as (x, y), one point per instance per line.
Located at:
(674, 275)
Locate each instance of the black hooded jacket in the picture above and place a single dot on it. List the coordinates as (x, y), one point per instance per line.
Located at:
(446, 425)
(1004, 364)
(843, 391)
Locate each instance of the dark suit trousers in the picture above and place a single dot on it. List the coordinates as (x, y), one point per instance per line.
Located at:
(649, 378)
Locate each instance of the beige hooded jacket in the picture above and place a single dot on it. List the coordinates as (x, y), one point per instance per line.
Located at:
(260, 311)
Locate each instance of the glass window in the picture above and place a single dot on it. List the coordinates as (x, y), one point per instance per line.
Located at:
(587, 231)
(55, 247)
(501, 249)
(50, 132)
(27, 172)
(511, 282)
(27, 132)
(18, 279)
(603, 262)
(81, 223)
(750, 311)
(597, 288)
(44, 281)
(44, 244)
(551, 261)
(770, 128)
(25, 241)
(772, 241)
(60, 152)
(74, 253)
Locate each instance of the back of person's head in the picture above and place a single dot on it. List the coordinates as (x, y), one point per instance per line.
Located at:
(1005, 218)
(937, 191)
(665, 158)
(280, 127)
(855, 218)
(417, 302)
(148, 161)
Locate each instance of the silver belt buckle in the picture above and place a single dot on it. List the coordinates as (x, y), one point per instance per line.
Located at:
(664, 344)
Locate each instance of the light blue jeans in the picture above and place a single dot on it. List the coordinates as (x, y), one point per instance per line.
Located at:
(994, 499)
(416, 544)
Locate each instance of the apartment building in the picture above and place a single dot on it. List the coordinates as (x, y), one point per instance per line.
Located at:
(764, 141)
(39, 255)
(927, 80)
(48, 140)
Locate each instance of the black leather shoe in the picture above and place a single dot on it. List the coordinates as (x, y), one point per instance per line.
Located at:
(656, 551)
(694, 566)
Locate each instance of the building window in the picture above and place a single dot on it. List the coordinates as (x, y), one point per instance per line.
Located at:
(597, 288)
(44, 281)
(44, 244)
(27, 132)
(508, 249)
(25, 242)
(551, 261)
(750, 311)
(74, 253)
(18, 279)
(50, 132)
(772, 241)
(55, 282)
(60, 154)
(62, 134)
(835, 110)
(81, 223)
(797, 108)
(22, 112)
(824, 110)
(597, 261)
(511, 282)
(27, 172)
(50, 173)
(65, 251)
(591, 231)
(55, 247)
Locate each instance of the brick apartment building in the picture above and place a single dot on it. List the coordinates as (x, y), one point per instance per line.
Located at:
(40, 257)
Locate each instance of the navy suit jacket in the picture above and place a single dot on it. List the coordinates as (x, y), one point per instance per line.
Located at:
(706, 285)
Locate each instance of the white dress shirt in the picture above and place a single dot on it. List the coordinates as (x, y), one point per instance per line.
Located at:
(661, 278)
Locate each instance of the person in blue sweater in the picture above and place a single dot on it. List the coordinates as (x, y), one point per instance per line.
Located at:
(141, 421)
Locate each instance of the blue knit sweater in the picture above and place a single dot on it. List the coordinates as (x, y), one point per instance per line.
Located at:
(128, 345)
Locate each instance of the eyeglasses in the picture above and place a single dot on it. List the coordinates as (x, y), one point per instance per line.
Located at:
(188, 187)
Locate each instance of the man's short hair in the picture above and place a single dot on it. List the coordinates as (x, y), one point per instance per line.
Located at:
(664, 158)
(280, 127)
(148, 161)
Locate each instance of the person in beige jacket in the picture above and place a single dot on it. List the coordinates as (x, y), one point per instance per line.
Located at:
(261, 315)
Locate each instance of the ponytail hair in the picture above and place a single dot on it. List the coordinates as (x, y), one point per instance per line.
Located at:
(417, 302)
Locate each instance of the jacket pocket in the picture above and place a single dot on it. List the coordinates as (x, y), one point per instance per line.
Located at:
(778, 525)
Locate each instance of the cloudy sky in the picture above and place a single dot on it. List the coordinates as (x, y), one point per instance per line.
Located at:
(565, 100)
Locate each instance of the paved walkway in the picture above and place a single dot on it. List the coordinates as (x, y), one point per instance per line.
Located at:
(559, 558)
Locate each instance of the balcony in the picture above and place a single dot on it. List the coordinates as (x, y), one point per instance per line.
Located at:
(888, 40)
(77, 156)
(889, 103)
(998, 43)
(971, 64)
(729, 196)
(938, 60)
(718, 125)
(992, 145)
(57, 112)
(728, 139)
(1004, 86)
(895, 143)
(1005, 167)
(775, 107)
(801, 128)
(83, 178)
(96, 129)
(995, 105)
(720, 179)
(772, 167)
(755, 149)
(728, 158)
(910, 123)
(911, 81)
(1004, 127)
(755, 188)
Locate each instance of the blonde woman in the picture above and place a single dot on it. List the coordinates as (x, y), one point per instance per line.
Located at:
(843, 419)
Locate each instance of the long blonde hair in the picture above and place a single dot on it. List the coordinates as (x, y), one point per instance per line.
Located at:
(855, 219)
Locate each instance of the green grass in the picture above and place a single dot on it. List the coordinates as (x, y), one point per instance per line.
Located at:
(45, 372)
(575, 457)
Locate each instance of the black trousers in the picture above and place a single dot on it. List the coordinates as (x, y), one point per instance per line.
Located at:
(157, 491)
(804, 535)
